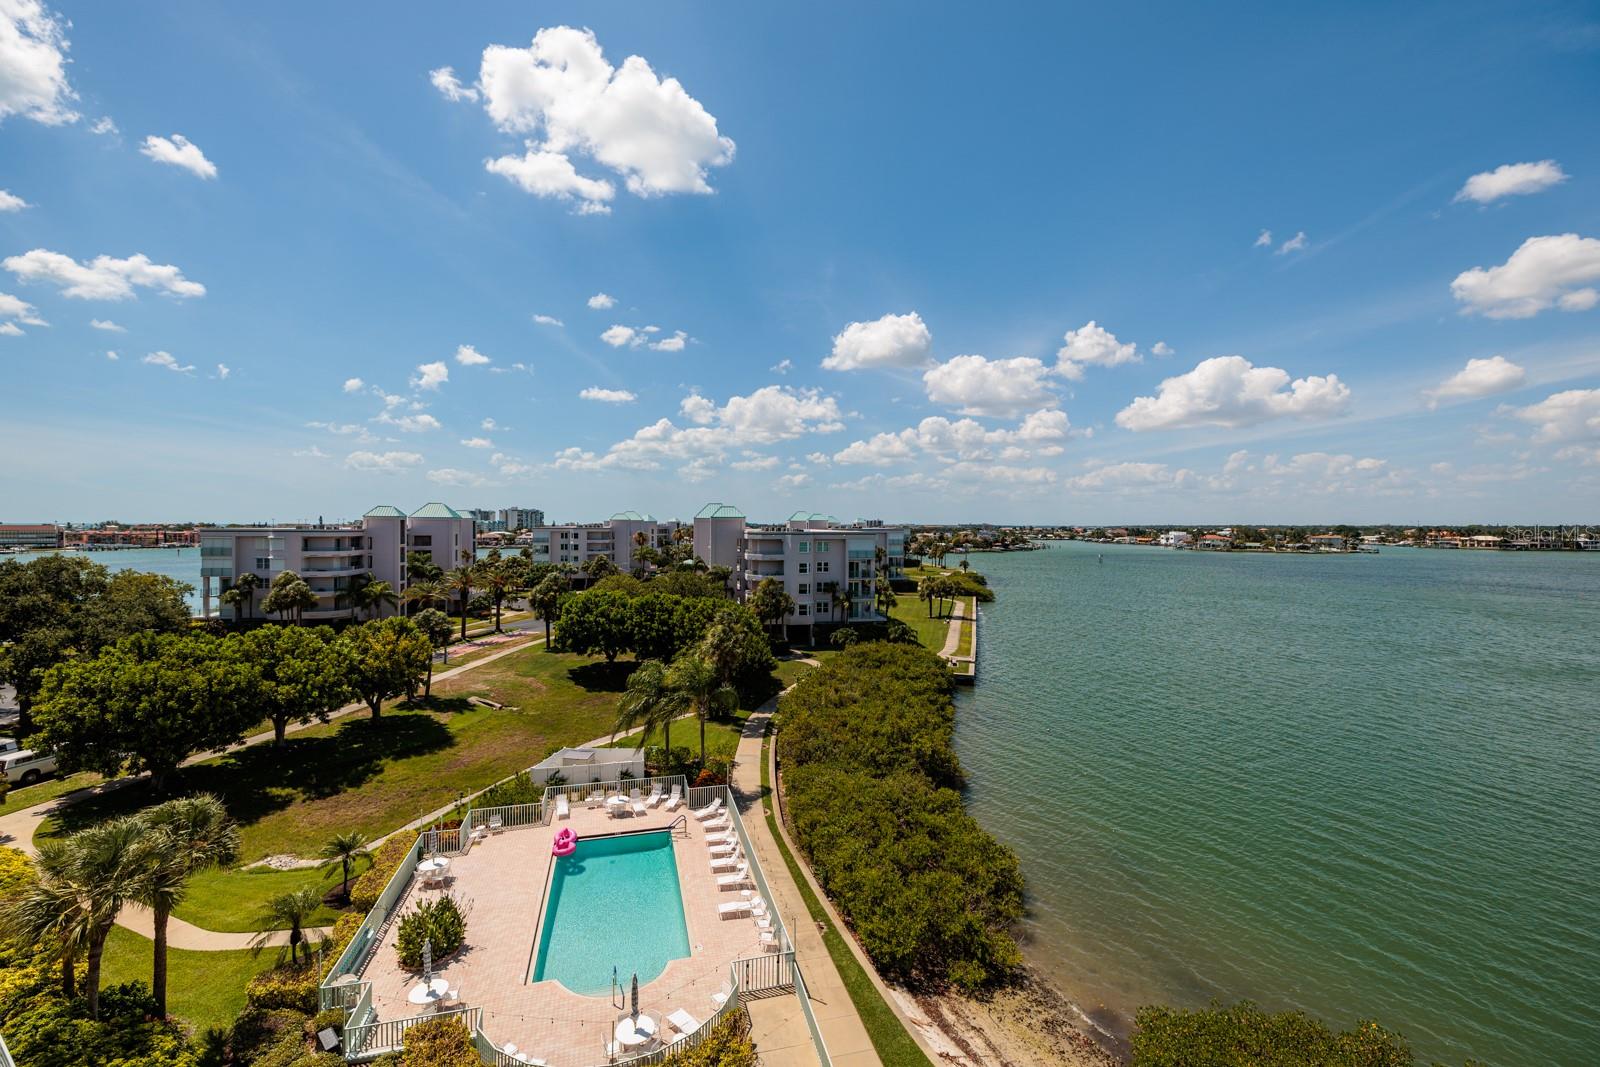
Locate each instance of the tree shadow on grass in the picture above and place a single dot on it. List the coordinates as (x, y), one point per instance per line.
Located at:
(603, 677)
(439, 705)
(257, 781)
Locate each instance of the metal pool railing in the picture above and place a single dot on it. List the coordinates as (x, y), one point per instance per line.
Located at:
(578, 793)
(366, 938)
(370, 1040)
(811, 1018)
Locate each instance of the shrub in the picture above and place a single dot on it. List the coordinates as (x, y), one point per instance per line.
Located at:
(344, 930)
(322, 1020)
(438, 922)
(258, 1032)
(16, 873)
(43, 1030)
(871, 780)
(1243, 1035)
(439, 1043)
(294, 988)
(726, 1045)
(364, 892)
(518, 790)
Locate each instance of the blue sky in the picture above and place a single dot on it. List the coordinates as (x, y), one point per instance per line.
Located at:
(898, 261)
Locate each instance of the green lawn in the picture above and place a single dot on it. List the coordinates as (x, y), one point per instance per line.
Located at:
(232, 899)
(19, 797)
(374, 775)
(204, 989)
(895, 1047)
(914, 613)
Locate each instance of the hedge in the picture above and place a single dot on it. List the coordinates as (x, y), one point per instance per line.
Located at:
(870, 781)
(365, 891)
(1245, 1036)
(726, 1045)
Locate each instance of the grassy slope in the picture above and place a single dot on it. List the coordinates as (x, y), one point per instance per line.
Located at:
(19, 797)
(230, 900)
(205, 989)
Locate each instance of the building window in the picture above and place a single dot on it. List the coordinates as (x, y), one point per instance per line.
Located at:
(803, 567)
(805, 546)
(822, 607)
(804, 589)
(422, 541)
(801, 609)
(822, 566)
(263, 563)
(822, 546)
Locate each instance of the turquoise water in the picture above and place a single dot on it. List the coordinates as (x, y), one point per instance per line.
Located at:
(614, 902)
(180, 563)
(1366, 786)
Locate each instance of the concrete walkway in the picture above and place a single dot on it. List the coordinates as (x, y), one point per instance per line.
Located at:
(778, 1025)
(17, 830)
(952, 639)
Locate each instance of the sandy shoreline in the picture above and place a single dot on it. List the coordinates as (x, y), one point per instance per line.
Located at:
(1026, 1024)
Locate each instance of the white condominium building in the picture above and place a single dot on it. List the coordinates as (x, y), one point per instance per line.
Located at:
(616, 539)
(830, 569)
(333, 557)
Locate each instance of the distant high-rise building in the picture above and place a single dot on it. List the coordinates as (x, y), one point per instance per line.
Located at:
(616, 538)
(521, 518)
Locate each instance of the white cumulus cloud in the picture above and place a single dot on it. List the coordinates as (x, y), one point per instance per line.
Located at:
(477, 442)
(1512, 179)
(892, 341)
(1230, 391)
(9, 201)
(223, 371)
(468, 356)
(12, 307)
(103, 278)
(431, 375)
(1297, 243)
(1480, 377)
(608, 396)
(1263, 239)
(964, 440)
(179, 151)
(602, 301)
(383, 462)
(1092, 345)
(107, 325)
(354, 385)
(973, 385)
(412, 423)
(1570, 418)
(1161, 348)
(617, 336)
(548, 320)
(1544, 272)
(33, 64)
(167, 360)
(453, 476)
(444, 79)
(574, 105)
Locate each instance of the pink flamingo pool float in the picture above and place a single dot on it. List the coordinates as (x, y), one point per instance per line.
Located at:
(566, 842)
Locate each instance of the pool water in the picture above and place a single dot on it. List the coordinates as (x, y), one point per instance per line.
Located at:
(613, 903)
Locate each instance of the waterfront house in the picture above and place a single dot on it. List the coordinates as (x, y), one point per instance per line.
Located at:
(1214, 541)
(1176, 538)
(1328, 542)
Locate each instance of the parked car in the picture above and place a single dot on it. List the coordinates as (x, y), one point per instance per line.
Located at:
(26, 767)
(9, 744)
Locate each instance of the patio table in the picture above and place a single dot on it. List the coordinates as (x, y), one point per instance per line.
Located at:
(428, 993)
(632, 1033)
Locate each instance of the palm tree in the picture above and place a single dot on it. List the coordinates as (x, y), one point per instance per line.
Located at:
(288, 911)
(926, 589)
(185, 836)
(233, 596)
(247, 584)
(90, 877)
(459, 582)
(500, 582)
(647, 702)
(341, 851)
(53, 910)
(695, 687)
(546, 600)
(374, 596)
(289, 596)
(426, 591)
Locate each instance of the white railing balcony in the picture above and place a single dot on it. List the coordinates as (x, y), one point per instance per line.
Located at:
(752, 554)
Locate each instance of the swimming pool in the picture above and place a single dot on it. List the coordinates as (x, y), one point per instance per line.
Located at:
(614, 902)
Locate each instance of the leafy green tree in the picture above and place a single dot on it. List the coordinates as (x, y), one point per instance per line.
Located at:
(182, 837)
(771, 603)
(341, 851)
(694, 686)
(737, 647)
(426, 592)
(688, 583)
(499, 579)
(435, 625)
(292, 912)
(145, 704)
(459, 583)
(301, 674)
(653, 621)
(289, 597)
(598, 567)
(595, 623)
(647, 702)
(384, 658)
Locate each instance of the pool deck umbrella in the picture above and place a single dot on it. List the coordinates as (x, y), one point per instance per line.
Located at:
(633, 998)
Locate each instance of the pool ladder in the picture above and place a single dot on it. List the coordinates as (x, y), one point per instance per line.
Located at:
(680, 826)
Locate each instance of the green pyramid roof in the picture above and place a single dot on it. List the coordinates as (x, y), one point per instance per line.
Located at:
(719, 511)
(435, 510)
(386, 511)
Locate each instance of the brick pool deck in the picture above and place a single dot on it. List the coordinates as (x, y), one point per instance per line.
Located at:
(501, 883)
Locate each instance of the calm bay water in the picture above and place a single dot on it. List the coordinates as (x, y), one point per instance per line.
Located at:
(1366, 786)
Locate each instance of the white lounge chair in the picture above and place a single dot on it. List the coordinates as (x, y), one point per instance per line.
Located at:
(675, 798)
(723, 837)
(733, 908)
(709, 811)
(683, 1022)
(724, 850)
(769, 939)
(719, 823)
(654, 798)
(638, 807)
(739, 877)
(725, 863)
(496, 824)
(563, 809)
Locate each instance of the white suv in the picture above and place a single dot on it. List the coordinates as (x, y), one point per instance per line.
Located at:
(26, 767)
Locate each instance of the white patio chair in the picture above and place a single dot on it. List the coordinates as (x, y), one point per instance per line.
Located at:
(675, 798)
(720, 997)
(709, 811)
(654, 798)
(684, 1023)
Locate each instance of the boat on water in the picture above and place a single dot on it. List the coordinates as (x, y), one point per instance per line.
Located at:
(1587, 544)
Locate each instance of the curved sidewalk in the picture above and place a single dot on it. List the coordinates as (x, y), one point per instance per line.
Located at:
(18, 827)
